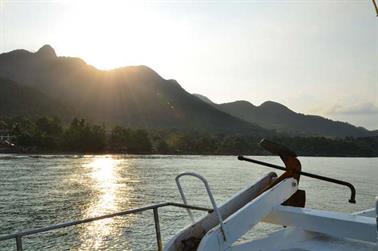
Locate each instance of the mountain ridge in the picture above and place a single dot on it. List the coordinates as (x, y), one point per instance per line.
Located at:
(137, 96)
(275, 116)
(132, 96)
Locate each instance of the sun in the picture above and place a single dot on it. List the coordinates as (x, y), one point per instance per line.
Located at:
(109, 34)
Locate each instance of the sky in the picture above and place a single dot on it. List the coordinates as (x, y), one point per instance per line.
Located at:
(314, 56)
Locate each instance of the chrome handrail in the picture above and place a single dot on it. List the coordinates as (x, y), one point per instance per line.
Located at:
(18, 236)
(209, 193)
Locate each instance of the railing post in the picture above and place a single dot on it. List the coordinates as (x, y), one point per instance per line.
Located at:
(19, 243)
(157, 229)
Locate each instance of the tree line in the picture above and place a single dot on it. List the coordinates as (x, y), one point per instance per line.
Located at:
(50, 135)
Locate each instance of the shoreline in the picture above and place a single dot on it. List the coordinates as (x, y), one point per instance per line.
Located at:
(170, 154)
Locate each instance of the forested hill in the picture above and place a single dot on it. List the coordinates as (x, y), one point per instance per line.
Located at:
(272, 115)
(21, 101)
(129, 96)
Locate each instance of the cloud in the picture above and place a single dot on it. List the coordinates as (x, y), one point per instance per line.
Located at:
(367, 108)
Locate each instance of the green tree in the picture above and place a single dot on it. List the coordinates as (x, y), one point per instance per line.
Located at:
(82, 137)
(119, 138)
(130, 140)
(139, 142)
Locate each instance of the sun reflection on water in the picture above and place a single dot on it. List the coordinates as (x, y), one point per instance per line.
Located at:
(105, 184)
(104, 175)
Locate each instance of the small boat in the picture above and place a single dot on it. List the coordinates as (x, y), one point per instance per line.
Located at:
(279, 201)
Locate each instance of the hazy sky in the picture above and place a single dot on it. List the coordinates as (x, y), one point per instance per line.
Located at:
(317, 57)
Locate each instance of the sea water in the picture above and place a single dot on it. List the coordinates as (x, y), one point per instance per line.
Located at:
(40, 190)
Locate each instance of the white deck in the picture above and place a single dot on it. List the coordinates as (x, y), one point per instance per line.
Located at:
(293, 239)
(306, 229)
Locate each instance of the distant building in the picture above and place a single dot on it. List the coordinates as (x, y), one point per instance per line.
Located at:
(5, 133)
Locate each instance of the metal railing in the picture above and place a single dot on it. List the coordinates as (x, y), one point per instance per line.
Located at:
(18, 236)
(311, 175)
(209, 193)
